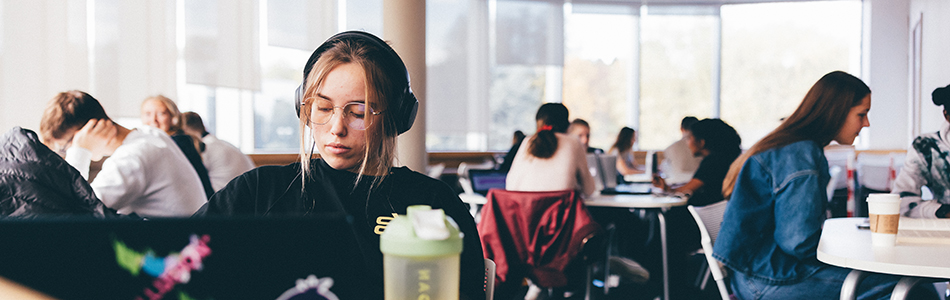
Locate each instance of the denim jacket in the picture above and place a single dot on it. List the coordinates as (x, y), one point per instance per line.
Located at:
(772, 223)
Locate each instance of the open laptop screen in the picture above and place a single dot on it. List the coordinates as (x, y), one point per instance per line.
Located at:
(484, 180)
(208, 258)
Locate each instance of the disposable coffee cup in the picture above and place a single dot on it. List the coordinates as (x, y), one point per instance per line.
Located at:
(884, 215)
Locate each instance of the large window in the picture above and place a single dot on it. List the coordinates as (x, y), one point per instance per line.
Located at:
(676, 71)
(600, 68)
(772, 53)
(491, 63)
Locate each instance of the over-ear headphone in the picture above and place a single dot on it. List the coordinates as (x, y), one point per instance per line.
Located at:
(402, 107)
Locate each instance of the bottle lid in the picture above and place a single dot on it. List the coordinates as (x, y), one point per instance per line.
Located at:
(423, 231)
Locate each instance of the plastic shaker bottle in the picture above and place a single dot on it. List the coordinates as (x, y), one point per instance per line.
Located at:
(421, 255)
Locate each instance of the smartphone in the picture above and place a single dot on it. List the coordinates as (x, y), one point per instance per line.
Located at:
(864, 225)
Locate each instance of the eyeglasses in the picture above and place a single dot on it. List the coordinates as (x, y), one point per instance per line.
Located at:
(354, 113)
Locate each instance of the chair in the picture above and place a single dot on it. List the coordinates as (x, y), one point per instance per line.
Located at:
(538, 235)
(709, 218)
(489, 279)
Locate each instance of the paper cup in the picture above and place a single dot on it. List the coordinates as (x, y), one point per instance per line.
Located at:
(884, 215)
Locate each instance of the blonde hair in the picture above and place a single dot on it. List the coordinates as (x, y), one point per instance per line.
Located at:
(172, 109)
(380, 133)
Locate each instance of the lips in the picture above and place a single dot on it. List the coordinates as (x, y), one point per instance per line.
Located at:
(337, 148)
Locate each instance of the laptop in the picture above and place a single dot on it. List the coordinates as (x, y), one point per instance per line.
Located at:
(207, 258)
(607, 170)
(484, 180)
(923, 231)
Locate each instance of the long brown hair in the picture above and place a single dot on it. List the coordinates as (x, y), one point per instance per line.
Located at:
(818, 118)
(624, 140)
(380, 133)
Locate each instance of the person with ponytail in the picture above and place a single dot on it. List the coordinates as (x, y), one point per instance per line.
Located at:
(777, 201)
(926, 165)
(551, 160)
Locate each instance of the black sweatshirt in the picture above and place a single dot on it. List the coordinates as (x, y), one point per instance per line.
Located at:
(276, 190)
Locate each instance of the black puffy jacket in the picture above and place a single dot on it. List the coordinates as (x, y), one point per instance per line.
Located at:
(36, 182)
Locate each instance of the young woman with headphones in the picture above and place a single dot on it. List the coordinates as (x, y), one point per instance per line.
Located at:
(355, 99)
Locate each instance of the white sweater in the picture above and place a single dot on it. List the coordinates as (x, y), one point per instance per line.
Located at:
(147, 175)
(920, 171)
(223, 161)
(565, 170)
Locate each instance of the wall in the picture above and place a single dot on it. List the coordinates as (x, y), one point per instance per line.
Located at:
(885, 71)
(935, 59)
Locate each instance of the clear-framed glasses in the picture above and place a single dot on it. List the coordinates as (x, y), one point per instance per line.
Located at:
(354, 113)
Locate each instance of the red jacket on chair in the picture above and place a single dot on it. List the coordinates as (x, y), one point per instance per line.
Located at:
(534, 234)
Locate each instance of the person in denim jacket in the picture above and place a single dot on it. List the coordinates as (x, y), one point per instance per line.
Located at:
(776, 191)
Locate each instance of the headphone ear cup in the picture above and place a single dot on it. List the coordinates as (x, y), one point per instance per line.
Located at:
(406, 112)
(298, 102)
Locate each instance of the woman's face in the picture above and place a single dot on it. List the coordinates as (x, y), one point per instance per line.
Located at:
(339, 145)
(695, 147)
(857, 119)
(155, 114)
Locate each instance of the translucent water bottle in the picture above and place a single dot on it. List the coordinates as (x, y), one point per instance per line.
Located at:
(421, 255)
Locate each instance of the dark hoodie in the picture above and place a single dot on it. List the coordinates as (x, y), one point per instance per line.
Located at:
(37, 182)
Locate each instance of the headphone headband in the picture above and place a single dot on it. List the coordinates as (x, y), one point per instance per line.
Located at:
(403, 105)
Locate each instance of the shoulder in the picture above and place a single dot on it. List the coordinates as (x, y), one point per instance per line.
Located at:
(409, 181)
(796, 158)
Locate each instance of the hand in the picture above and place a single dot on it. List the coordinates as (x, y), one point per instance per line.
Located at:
(659, 182)
(97, 137)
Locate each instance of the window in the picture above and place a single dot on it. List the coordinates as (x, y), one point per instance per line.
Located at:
(677, 56)
(600, 68)
(773, 52)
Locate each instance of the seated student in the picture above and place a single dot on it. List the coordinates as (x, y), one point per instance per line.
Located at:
(145, 174)
(516, 140)
(623, 149)
(580, 129)
(32, 183)
(223, 160)
(679, 162)
(355, 99)
(772, 224)
(162, 113)
(718, 144)
(551, 160)
(927, 165)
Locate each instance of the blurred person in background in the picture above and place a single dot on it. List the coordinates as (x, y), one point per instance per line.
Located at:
(162, 113)
(145, 174)
(223, 160)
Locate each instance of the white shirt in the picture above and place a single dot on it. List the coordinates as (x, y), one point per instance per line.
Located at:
(679, 163)
(223, 161)
(147, 175)
(565, 170)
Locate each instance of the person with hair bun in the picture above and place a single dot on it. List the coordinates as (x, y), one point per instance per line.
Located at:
(927, 165)
(551, 160)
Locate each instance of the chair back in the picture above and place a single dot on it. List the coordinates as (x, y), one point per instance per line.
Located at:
(709, 219)
(835, 172)
(534, 234)
(489, 279)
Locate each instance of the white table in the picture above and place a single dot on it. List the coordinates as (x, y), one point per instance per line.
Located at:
(843, 244)
(662, 203)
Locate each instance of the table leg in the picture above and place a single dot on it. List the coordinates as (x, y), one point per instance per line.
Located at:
(850, 286)
(904, 286)
(666, 272)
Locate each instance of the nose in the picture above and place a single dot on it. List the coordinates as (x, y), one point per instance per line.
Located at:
(337, 126)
